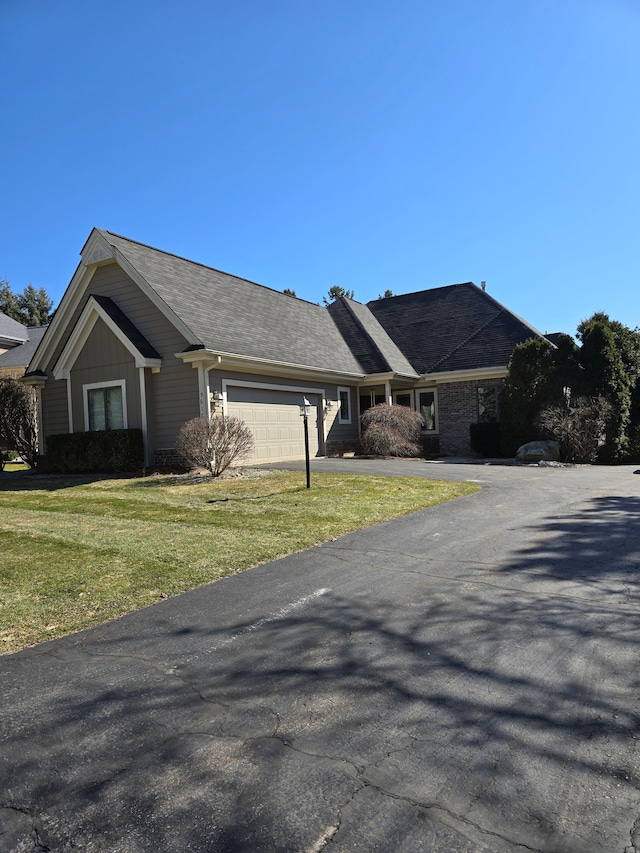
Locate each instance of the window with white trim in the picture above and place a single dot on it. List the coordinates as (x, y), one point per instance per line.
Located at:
(344, 406)
(105, 406)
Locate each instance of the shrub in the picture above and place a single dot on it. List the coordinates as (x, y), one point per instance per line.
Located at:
(485, 439)
(98, 450)
(579, 427)
(214, 443)
(19, 419)
(391, 431)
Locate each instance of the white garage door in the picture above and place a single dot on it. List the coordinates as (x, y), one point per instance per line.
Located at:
(274, 418)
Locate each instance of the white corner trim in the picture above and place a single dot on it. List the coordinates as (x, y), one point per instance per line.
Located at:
(122, 383)
(83, 328)
(143, 415)
(69, 405)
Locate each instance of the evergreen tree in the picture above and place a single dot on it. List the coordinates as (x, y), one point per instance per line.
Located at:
(335, 292)
(31, 307)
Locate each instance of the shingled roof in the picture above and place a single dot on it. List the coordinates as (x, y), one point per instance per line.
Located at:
(458, 327)
(369, 342)
(21, 355)
(231, 315)
(12, 333)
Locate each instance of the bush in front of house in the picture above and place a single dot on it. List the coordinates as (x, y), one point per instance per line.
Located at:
(485, 439)
(214, 443)
(391, 431)
(580, 427)
(95, 451)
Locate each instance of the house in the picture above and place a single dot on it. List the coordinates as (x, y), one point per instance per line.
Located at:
(18, 343)
(143, 338)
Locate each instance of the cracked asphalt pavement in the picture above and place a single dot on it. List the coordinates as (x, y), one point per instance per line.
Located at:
(461, 680)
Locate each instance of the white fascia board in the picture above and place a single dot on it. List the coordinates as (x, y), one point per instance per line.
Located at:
(463, 375)
(5, 340)
(83, 328)
(380, 378)
(231, 361)
(61, 318)
(96, 252)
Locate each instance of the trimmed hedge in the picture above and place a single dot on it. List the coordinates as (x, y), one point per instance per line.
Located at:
(486, 440)
(99, 450)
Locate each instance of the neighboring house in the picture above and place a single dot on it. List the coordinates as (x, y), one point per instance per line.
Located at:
(18, 343)
(143, 338)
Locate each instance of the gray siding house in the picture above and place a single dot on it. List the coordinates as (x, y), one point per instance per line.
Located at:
(143, 338)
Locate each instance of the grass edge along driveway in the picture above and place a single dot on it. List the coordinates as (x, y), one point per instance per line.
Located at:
(76, 551)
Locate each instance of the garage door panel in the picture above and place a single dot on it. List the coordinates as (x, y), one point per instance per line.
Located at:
(274, 418)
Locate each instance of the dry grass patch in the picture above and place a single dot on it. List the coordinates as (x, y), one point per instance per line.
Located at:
(76, 551)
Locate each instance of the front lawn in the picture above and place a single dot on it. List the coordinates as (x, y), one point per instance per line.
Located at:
(77, 551)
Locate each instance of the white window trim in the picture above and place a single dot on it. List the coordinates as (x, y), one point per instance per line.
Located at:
(122, 383)
(425, 390)
(342, 420)
(408, 393)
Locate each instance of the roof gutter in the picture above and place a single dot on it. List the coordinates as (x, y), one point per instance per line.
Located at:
(215, 358)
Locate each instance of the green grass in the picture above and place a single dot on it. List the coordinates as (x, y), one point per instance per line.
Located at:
(77, 551)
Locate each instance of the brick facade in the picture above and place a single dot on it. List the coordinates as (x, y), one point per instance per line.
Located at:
(457, 410)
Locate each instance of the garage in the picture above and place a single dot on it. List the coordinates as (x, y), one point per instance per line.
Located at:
(274, 418)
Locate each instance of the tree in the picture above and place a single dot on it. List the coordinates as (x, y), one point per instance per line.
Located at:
(386, 294)
(31, 307)
(289, 291)
(335, 292)
(605, 365)
(605, 375)
(19, 419)
(9, 302)
(214, 443)
(529, 386)
(578, 425)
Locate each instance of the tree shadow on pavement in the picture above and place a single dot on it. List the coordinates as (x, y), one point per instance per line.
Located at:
(474, 715)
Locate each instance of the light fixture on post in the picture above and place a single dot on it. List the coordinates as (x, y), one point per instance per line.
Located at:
(305, 411)
(215, 398)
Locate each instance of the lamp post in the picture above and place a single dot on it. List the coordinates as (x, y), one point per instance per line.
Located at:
(305, 411)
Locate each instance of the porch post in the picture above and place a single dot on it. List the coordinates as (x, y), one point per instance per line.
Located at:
(387, 393)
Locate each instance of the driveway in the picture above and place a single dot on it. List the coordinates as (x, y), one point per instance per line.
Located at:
(461, 680)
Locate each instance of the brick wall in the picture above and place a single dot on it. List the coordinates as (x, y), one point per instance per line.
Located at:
(457, 410)
(11, 372)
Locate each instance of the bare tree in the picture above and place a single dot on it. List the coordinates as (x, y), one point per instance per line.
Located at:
(19, 419)
(579, 426)
(214, 443)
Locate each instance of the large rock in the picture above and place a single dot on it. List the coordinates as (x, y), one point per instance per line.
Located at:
(539, 451)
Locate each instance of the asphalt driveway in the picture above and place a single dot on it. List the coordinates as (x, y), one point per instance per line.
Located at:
(460, 680)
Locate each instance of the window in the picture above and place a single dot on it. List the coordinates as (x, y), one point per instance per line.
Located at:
(403, 400)
(428, 410)
(344, 406)
(488, 405)
(105, 406)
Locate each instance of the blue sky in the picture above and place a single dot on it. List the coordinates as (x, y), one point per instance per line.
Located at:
(403, 144)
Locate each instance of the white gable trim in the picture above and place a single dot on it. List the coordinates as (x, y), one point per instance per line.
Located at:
(90, 315)
(97, 252)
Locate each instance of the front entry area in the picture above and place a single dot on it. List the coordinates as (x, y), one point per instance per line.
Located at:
(274, 418)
